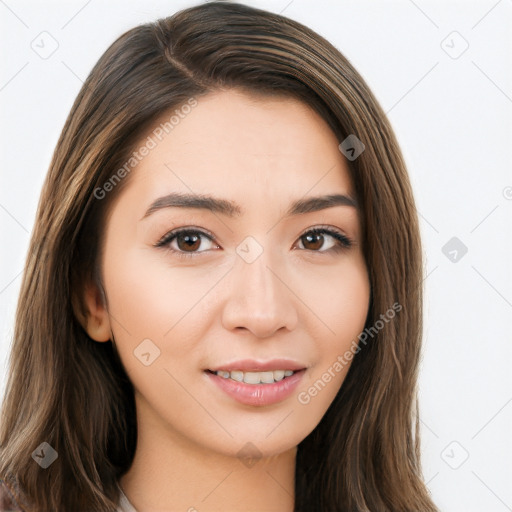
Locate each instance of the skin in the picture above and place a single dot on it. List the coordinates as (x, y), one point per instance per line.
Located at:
(296, 300)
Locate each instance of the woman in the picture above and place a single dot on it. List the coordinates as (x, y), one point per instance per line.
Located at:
(221, 307)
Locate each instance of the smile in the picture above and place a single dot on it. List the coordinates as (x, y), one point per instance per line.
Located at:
(268, 377)
(256, 388)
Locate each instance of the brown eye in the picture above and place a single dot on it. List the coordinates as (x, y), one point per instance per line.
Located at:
(313, 241)
(324, 239)
(186, 242)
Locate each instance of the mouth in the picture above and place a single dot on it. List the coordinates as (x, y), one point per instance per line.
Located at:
(254, 378)
(256, 388)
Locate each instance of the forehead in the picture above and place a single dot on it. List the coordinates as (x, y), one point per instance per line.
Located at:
(236, 144)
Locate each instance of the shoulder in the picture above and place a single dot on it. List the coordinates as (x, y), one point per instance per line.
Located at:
(7, 500)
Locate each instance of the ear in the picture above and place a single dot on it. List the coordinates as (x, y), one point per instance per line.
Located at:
(97, 322)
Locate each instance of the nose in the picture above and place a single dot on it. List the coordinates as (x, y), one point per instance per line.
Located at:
(259, 299)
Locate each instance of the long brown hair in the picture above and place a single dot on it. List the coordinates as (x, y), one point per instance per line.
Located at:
(72, 393)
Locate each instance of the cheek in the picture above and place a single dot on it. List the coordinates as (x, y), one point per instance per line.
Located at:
(149, 297)
(341, 301)
(338, 297)
(158, 318)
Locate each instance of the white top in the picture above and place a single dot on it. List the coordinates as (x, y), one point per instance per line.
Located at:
(124, 504)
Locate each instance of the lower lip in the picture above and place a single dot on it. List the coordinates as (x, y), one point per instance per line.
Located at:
(258, 394)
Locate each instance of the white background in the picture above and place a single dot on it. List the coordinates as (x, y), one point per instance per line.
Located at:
(452, 117)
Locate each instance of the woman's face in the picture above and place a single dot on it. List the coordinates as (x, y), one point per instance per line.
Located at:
(245, 284)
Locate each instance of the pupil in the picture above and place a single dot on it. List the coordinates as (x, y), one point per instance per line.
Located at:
(191, 241)
(315, 238)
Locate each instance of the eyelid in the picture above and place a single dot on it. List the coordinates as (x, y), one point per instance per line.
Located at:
(345, 241)
(169, 235)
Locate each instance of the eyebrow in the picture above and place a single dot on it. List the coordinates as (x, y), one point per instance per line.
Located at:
(232, 209)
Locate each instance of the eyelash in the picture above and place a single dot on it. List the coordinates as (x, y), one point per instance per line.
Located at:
(344, 242)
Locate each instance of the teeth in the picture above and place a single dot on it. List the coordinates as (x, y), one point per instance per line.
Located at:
(279, 375)
(236, 375)
(253, 378)
(256, 377)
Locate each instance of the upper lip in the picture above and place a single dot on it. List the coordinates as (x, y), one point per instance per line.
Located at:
(251, 365)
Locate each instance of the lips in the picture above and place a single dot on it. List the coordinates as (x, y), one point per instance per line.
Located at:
(256, 394)
(251, 365)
